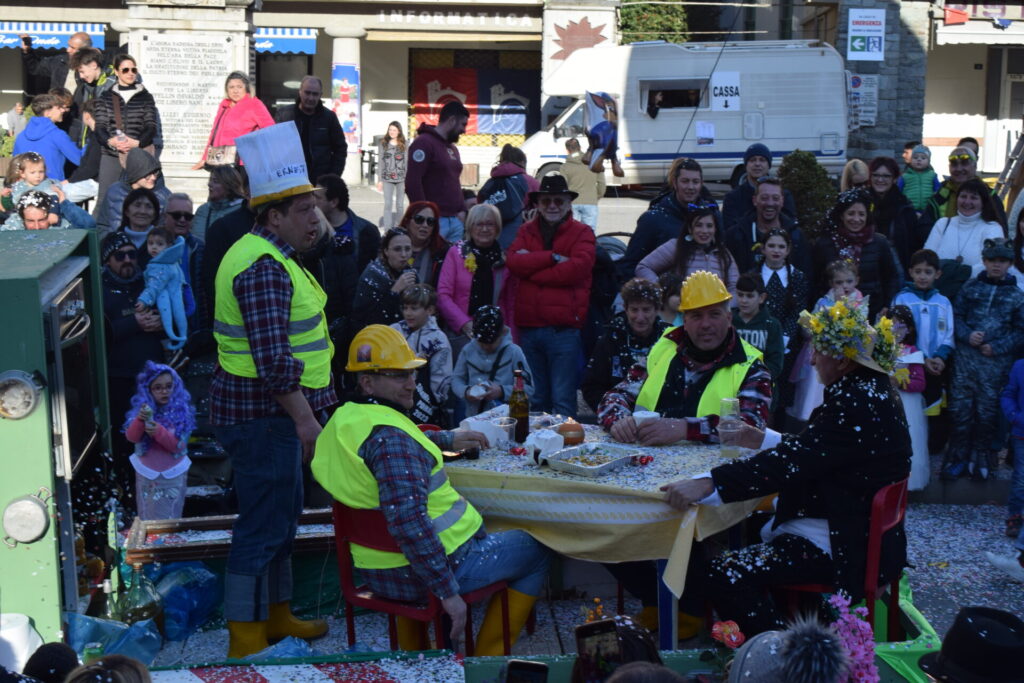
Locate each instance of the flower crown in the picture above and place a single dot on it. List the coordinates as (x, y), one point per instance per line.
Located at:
(842, 331)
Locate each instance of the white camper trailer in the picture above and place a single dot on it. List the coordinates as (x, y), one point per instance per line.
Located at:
(716, 100)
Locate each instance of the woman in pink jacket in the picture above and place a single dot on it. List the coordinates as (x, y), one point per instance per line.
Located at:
(239, 113)
(474, 274)
(701, 246)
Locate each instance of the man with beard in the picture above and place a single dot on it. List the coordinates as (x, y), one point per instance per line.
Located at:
(667, 213)
(323, 142)
(745, 238)
(553, 257)
(963, 165)
(270, 387)
(132, 339)
(435, 167)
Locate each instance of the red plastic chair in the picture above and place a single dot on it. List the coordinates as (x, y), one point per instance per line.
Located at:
(368, 528)
(888, 508)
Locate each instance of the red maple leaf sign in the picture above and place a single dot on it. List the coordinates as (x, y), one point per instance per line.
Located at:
(575, 36)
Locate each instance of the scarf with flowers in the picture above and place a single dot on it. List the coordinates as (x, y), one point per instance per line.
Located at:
(481, 262)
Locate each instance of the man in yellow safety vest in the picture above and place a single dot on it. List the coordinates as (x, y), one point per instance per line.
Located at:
(689, 370)
(372, 456)
(273, 377)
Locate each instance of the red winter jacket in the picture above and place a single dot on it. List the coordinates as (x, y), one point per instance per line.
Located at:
(553, 294)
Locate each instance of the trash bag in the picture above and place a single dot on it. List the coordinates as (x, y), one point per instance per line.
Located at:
(140, 640)
(190, 593)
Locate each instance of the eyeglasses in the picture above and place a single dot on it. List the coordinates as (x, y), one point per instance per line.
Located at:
(125, 255)
(960, 157)
(181, 215)
(396, 374)
(549, 199)
(421, 220)
(130, 70)
(882, 176)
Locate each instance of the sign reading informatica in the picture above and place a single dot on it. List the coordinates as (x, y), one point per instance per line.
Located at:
(866, 36)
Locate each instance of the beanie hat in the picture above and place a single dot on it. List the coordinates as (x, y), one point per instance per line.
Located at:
(921, 149)
(112, 243)
(758, 150)
(139, 164)
(488, 324)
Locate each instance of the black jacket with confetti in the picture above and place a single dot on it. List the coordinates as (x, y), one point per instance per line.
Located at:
(855, 443)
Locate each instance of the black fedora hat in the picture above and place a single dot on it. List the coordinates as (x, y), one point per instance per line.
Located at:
(984, 645)
(553, 183)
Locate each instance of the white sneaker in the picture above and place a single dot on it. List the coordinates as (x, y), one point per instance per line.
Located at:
(1009, 566)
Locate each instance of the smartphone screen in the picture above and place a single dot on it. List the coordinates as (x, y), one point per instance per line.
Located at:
(598, 651)
(521, 671)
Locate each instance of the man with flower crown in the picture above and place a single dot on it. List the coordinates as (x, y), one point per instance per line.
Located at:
(855, 443)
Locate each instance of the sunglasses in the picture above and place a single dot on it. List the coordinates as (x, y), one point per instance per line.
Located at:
(960, 157)
(125, 255)
(556, 200)
(181, 215)
(130, 70)
(421, 220)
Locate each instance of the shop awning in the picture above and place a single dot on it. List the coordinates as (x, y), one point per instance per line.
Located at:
(48, 35)
(295, 40)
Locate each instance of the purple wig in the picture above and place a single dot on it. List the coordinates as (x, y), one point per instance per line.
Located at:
(178, 414)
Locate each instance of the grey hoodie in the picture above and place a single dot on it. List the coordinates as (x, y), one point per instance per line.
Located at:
(474, 366)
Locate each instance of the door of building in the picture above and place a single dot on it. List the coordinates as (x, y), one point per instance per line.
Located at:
(1002, 129)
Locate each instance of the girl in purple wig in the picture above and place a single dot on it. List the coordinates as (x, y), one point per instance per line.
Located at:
(159, 422)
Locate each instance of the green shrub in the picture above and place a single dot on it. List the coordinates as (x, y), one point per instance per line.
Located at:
(813, 191)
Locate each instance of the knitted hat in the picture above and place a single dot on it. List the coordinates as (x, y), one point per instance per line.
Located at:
(997, 248)
(758, 150)
(139, 164)
(488, 324)
(112, 243)
(921, 149)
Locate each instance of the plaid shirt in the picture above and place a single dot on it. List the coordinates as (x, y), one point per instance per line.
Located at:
(264, 295)
(402, 470)
(755, 394)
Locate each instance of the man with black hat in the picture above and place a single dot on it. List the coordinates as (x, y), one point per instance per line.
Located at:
(273, 378)
(757, 162)
(826, 476)
(553, 257)
(984, 645)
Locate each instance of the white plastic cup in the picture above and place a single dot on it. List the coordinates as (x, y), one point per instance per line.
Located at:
(642, 416)
(507, 425)
(728, 434)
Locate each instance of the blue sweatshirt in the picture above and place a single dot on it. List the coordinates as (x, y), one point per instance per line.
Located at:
(933, 318)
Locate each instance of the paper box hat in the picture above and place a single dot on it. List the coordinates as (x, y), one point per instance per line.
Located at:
(275, 163)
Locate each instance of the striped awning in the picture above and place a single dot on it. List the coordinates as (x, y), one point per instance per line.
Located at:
(295, 40)
(48, 34)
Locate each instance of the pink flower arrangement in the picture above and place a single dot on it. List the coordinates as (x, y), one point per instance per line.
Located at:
(857, 637)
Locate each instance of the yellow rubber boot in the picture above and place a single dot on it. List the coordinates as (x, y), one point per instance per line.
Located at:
(489, 641)
(281, 623)
(246, 638)
(648, 618)
(410, 634)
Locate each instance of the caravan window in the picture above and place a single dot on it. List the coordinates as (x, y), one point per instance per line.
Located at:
(571, 123)
(677, 93)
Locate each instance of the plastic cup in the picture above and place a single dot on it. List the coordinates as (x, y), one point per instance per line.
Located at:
(507, 425)
(642, 416)
(728, 407)
(728, 435)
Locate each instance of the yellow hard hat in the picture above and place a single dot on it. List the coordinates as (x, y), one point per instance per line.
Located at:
(702, 289)
(379, 347)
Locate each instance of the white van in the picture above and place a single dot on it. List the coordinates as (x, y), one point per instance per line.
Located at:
(716, 100)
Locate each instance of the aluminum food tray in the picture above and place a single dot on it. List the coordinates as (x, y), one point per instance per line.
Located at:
(557, 459)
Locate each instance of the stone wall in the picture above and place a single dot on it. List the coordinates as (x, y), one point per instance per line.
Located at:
(901, 76)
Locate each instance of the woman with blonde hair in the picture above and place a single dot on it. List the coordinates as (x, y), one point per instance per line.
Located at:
(855, 174)
(474, 274)
(393, 163)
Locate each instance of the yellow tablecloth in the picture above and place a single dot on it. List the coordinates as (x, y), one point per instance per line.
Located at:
(613, 518)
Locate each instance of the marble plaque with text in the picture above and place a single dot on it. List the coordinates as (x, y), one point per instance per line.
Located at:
(185, 71)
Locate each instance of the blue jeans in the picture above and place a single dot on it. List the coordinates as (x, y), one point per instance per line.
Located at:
(586, 213)
(512, 556)
(451, 228)
(553, 354)
(1015, 503)
(266, 459)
